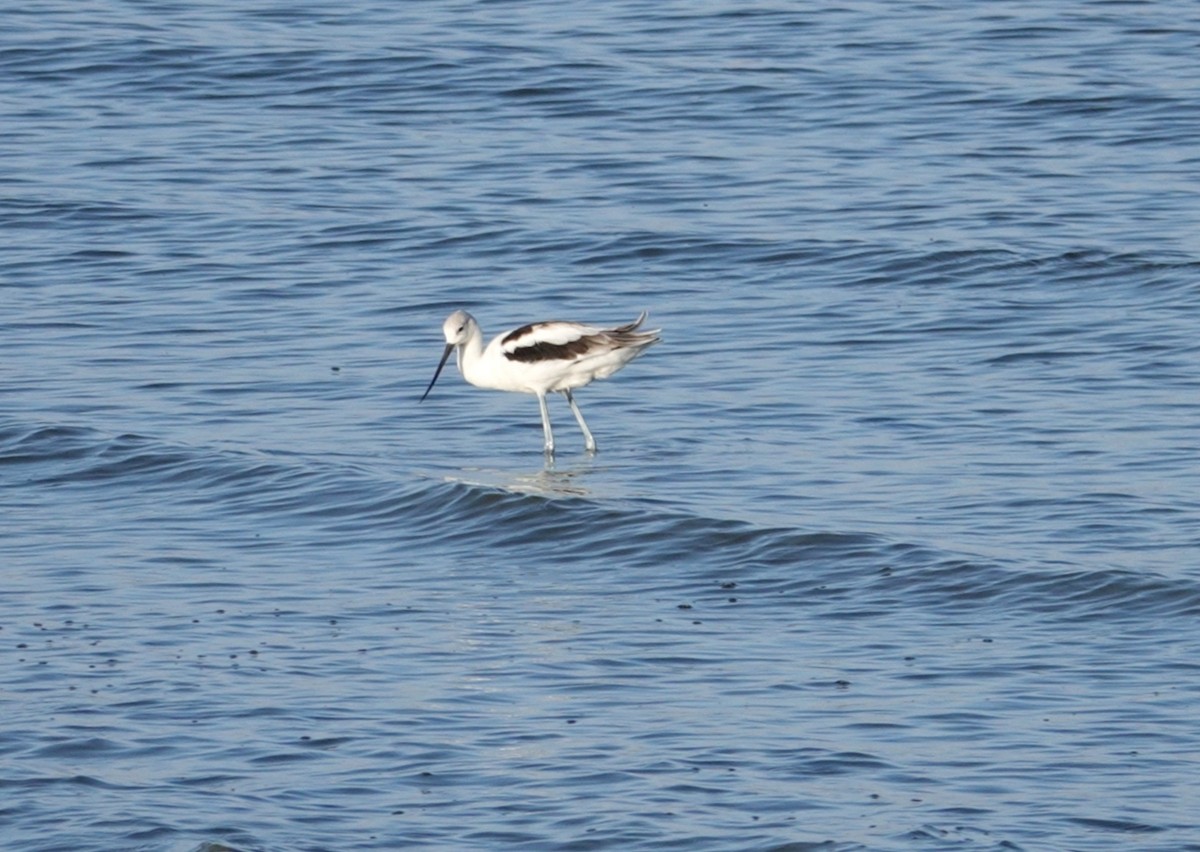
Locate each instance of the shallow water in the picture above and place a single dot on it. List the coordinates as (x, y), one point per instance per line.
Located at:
(891, 544)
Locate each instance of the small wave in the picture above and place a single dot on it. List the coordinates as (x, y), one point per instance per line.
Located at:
(554, 518)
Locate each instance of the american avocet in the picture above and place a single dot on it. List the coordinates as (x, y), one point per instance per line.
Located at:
(542, 357)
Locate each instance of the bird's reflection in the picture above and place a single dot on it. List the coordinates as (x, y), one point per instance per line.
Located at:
(552, 480)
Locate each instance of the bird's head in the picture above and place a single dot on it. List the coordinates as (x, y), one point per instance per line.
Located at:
(457, 328)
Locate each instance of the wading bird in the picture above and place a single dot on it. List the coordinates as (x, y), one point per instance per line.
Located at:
(542, 357)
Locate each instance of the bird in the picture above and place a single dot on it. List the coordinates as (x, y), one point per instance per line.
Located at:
(543, 357)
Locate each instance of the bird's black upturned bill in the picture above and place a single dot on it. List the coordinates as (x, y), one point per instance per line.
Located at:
(438, 371)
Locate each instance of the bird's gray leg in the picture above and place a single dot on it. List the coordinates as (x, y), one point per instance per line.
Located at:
(589, 443)
(546, 424)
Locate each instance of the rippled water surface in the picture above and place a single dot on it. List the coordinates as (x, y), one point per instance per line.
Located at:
(892, 544)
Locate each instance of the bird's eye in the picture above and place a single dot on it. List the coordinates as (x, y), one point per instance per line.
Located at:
(460, 328)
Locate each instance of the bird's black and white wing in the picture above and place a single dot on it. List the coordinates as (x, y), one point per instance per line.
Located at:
(571, 341)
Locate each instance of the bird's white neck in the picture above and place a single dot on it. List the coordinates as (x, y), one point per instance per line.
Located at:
(469, 354)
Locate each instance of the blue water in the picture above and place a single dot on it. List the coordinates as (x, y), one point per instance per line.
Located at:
(892, 544)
